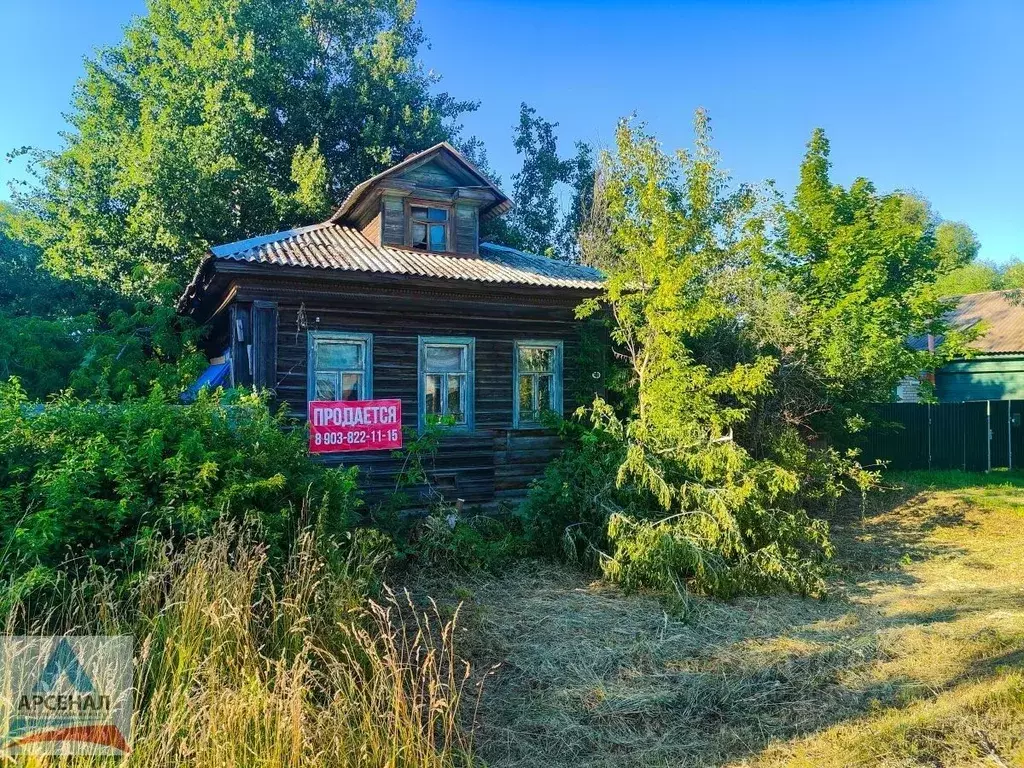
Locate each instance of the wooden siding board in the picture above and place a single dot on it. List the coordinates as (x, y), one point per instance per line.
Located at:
(430, 175)
(494, 458)
(467, 229)
(393, 228)
(993, 378)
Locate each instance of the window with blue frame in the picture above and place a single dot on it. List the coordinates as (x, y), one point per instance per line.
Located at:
(340, 366)
(429, 228)
(446, 367)
(537, 377)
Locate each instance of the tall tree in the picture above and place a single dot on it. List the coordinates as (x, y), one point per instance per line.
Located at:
(979, 276)
(864, 265)
(24, 288)
(748, 328)
(539, 223)
(849, 280)
(220, 120)
(686, 500)
(975, 277)
(582, 176)
(535, 217)
(58, 334)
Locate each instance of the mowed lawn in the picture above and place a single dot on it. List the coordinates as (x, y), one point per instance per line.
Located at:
(917, 658)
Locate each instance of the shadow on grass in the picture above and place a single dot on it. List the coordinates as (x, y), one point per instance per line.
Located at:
(590, 676)
(877, 541)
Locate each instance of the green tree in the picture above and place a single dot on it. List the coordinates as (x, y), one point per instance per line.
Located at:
(220, 120)
(41, 338)
(665, 492)
(535, 217)
(582, 172)
(981, 276)
(753, 334)
(1013, 275)
(539, 223)
(58, 334)
(976, 277)
(860, 273)
(26, 288)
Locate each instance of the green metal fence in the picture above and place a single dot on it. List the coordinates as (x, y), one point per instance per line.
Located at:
(973, 436)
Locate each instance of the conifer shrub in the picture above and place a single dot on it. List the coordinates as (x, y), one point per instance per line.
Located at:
(659, 486)
(731, 526)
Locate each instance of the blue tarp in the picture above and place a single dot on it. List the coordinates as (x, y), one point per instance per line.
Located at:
(216, 375)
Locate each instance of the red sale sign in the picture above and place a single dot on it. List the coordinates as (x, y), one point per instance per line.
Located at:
(354, 425)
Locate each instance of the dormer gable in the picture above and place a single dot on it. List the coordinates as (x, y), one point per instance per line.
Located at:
(432, 201)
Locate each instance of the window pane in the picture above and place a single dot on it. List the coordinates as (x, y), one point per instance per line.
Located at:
(350, 386)
(456, 385)
(432, 396)
(437, 214)
(544, 393)
(326, 386)
(419, 235)
(537, 359)
(526, 397)
(441, 359)
(339, 355)
(418, 212)
(437, 237)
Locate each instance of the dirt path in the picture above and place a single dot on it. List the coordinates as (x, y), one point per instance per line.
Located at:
(916, 659)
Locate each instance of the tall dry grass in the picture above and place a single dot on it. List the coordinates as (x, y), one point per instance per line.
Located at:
(239, 665)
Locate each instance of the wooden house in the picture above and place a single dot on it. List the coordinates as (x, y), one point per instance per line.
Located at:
(995, 370)
(395, 297)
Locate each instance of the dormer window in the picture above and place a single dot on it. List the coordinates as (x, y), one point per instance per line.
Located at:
(429, 228)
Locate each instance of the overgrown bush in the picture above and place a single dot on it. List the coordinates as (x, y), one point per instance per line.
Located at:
(657, 490)
(745, 531)
(445, 537)
(451, 542)
(82, 483)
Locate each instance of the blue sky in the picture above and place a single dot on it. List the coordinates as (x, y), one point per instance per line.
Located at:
(916, 95)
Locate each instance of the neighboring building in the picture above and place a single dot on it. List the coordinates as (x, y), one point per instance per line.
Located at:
(395, 298)
(996, 372)
(908, 390)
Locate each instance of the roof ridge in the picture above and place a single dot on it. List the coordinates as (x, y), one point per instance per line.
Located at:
(362, 186)
(987, 293)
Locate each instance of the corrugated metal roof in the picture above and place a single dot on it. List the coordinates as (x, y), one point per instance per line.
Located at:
(338, 247)
(1001, 315)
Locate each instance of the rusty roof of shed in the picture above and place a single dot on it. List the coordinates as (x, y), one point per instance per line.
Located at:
(1000, 315)
(330, 246)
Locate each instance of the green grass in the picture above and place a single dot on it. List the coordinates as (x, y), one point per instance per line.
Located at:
(914, 660)
(954, 479)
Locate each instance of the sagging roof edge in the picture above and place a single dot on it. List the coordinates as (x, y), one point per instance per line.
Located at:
(235, 268)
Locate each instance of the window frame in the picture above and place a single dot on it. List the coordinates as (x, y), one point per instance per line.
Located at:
(448, 224)
(469, 344)
(366, 391)
(556, 379)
